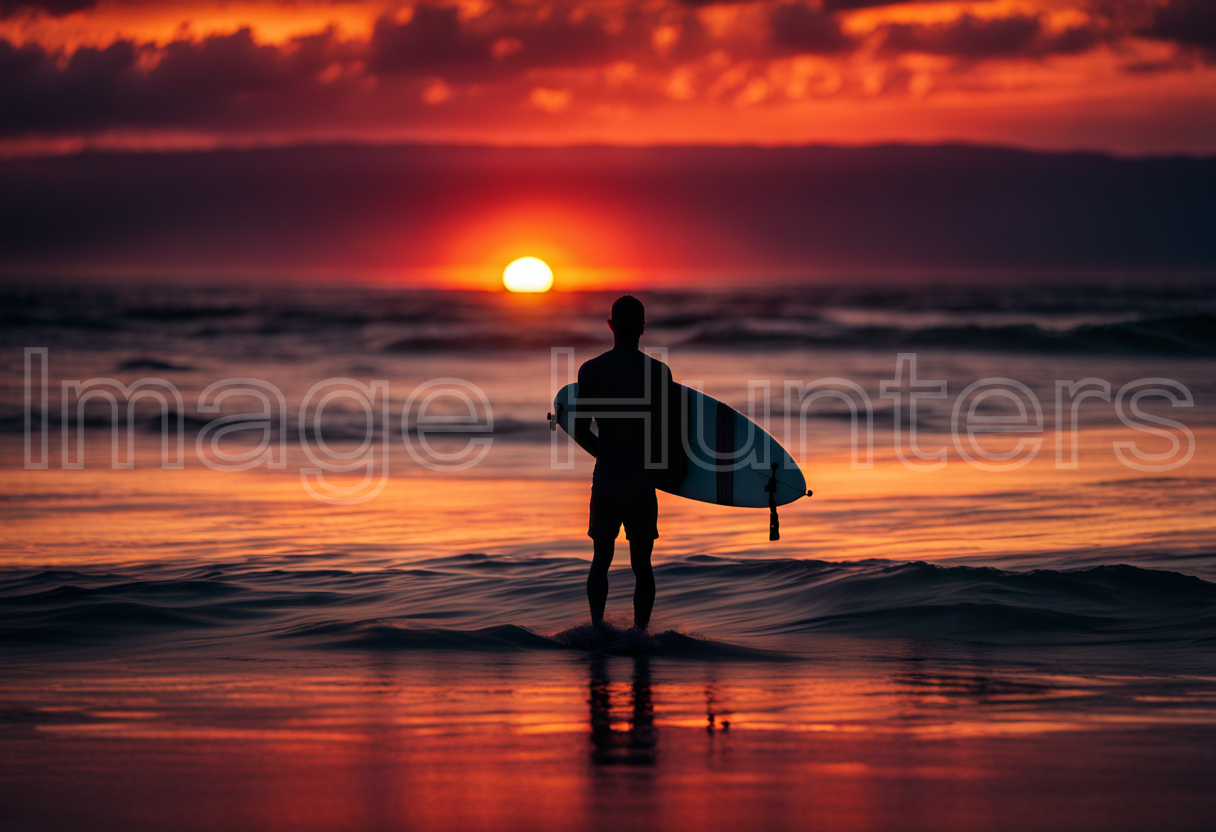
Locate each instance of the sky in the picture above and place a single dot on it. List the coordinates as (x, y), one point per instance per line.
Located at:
(1127, 77)
(606, 217)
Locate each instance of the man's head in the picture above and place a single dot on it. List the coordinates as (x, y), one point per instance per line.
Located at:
(628, 318)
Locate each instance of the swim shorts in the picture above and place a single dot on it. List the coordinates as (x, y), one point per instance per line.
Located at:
(639, 516)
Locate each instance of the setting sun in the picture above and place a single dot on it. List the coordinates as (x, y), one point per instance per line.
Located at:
(528, 274)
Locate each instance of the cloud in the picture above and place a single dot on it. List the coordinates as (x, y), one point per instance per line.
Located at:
(850, 5)
(474, 70)
(431, 39)
(800, 28)
(36, 92)
(557, 40)
(186, 82)
(55, 8)
(976, 38)
(1190, 23)
(502, 43)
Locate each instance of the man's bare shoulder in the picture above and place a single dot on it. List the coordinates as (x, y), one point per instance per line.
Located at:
(657, 364)
(659, 370)
(594, 366)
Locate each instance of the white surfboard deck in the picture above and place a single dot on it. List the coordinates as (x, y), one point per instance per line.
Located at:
(730, 457)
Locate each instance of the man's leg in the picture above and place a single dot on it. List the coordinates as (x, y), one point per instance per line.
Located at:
(597, 579)
(643, 591)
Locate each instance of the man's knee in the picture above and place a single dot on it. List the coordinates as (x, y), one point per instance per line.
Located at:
(642, 568)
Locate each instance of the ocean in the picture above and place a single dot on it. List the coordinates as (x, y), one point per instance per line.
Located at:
(1000, 624)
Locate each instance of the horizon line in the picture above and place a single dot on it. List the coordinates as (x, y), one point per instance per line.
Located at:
(54, 148)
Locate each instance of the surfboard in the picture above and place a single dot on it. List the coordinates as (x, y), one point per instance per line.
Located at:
(732, 461)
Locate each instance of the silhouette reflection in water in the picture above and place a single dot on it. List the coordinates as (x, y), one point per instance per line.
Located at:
(635, 742)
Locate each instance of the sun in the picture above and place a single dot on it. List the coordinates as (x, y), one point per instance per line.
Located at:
(528, 274)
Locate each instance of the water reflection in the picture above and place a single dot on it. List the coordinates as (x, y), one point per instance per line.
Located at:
(635, 742)
(714, 719)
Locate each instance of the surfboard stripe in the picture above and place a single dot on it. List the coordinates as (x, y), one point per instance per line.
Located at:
(724, 444)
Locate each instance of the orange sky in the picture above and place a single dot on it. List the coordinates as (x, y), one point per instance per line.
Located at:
(1125, 76)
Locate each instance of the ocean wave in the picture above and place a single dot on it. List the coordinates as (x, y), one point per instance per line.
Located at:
(381, 635)
(1176, 335)
(151, 364)
(1111, 603)
(1184, 335)
(503, 339)
(724, 608)
(335, 427)
(1171, 318)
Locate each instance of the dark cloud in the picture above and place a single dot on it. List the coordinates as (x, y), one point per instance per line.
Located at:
(969, 37)
(849, 5)
(36, 93)
(189, 82)
(226, 81)
(800, 28)
(827, 5)
(218, 68)
(1187, 22)
(1150, 67)
(232, 82)
(1072, 41)
(975, 38)
(557, 41)
(431, 39)
(55, 8)
(435, 40)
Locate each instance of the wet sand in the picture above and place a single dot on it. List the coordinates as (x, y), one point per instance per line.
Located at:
(438, 742)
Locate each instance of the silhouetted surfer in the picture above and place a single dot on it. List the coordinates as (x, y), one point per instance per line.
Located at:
(632, 399)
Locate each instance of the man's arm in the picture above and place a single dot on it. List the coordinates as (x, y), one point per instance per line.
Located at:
(587, 440)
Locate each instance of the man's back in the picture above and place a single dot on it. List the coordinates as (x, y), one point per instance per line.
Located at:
(624, 390)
